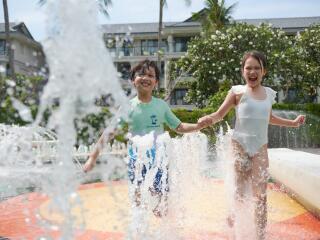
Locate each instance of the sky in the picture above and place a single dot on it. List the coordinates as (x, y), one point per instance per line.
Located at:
(135, 11)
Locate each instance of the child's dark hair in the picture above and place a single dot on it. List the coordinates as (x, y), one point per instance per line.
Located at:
(142, 67)
(259, 56)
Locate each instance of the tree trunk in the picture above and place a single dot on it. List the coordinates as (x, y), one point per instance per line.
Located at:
(9, 50)
(160, 34)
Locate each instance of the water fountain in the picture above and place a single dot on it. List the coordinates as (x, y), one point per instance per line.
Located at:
(304, 137)
(81, 71)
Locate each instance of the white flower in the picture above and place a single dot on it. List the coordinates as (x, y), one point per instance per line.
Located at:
(230, 46)
(239, 36)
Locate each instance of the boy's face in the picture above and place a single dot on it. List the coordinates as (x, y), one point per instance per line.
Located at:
(145, 81)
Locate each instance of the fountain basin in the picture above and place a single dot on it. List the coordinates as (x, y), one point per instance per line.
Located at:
(299, 173)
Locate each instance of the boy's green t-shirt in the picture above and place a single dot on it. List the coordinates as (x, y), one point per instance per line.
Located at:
(151, 116)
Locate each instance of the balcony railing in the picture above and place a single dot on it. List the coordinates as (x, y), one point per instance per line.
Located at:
(138, 51)
(4, 52)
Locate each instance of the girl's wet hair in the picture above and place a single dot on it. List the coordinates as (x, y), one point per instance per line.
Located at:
(259, 56)
(141, 68)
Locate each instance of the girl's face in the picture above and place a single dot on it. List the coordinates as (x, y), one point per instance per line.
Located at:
(253, 72)
(145, 81)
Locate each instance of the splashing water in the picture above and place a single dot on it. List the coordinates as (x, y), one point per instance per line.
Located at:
(81, 71)
(185, 186)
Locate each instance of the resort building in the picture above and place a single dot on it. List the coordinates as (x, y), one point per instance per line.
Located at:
(27, 53)
(133, 42)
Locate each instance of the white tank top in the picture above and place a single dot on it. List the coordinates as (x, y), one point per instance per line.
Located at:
(252, 119)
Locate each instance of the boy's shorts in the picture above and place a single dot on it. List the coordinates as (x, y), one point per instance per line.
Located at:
(158, 182)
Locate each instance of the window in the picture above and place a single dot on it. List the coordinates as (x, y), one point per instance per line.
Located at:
(181, 44)
(2, 46)
(150, 47)
(178, 96)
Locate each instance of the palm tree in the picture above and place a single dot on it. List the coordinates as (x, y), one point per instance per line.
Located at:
(9, 50)
(215, 15)
(163, 3)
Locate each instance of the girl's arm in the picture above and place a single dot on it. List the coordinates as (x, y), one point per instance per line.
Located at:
(229, 102)
(275, 120)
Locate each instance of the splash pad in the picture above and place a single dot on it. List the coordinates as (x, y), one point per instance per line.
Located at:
(197, 206)
(20, 216)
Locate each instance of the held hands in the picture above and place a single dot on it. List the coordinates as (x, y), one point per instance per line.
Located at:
(299, 120)
(205, 121)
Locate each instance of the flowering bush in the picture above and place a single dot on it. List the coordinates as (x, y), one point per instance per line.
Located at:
(216, 59)
(308, 48)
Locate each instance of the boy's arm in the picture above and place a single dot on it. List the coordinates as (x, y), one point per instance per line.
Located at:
(217, 116)
(90, 163)
(188, 127)
(275, 120)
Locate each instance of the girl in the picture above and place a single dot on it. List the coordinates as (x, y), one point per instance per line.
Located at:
(253, 104)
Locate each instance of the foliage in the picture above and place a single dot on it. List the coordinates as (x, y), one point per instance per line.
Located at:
(308, 55)
(217, 99)
(24, 89)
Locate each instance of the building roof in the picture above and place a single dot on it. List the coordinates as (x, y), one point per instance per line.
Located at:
(17, 28)
(130, 28)
(143, 27)
(295, 23)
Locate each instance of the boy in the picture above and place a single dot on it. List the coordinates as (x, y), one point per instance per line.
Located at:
(148, 114)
